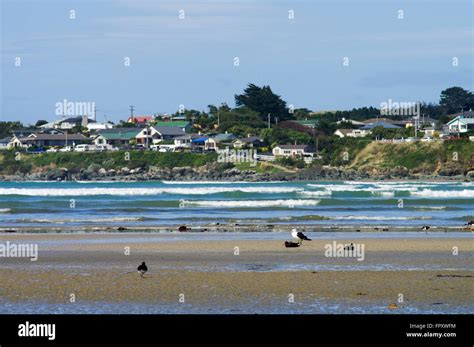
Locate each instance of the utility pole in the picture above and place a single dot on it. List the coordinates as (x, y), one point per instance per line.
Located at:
(269, 121)
(276, 120)
(218, 118)
(131, 112)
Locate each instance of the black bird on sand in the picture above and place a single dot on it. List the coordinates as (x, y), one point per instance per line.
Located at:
(142, 269)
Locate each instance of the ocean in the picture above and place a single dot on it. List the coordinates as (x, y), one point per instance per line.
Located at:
(395, 205)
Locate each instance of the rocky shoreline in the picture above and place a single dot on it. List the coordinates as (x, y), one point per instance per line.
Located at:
(213, 173)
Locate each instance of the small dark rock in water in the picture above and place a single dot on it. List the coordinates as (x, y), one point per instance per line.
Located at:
(361, 294)
(121, 228)
(471, 222)
(203, 230)
(437, 303)
(270, 226)
(425, 227)
(385, 229)
(183, 228)
(10, 231)
(358, 230)
(376, 229)
(290, 244)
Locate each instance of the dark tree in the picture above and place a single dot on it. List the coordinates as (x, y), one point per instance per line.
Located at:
(456, 99)
(263, 101)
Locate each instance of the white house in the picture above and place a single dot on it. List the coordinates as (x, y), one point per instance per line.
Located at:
(351, 132)
(68, 123)
(355, 122)
(18, 142)
(157, 134)
(292, 150)
(99, 126)
(462, 123)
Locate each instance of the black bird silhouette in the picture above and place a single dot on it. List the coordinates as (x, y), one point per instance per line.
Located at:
(142, 269)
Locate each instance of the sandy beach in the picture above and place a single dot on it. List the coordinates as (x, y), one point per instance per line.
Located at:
(239, 273)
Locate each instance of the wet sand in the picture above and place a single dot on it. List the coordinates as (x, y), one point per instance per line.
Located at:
(210, 272)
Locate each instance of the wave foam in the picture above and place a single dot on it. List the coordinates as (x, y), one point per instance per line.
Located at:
(427, 193)
(253, 203)
(143, 191)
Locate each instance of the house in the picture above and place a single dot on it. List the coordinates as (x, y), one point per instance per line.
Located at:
(4, 142)
(384, 125)
(68, 123)
(18, 142)
(140, 119)
(461, 123)
(212, 143)
(184, 125)
(378, 120)
(59, 140)
(351, 132)
(248, 142)
(23, 132)
(292, 150)
(116, 136)
(429, 132)
(156, 134)
(186, 141)
(310, 123)
(354, 122)
(99, 126)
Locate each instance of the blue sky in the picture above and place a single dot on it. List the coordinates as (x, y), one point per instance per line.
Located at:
(190, 61)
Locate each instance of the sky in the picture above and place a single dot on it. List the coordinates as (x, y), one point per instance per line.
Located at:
(191, 61)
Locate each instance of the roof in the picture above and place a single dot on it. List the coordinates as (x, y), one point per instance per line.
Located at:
(292, 146)
(5, 140)
(188, 137)
(307, 122)
(466, 119)
(345, 131)
(24, 132)
(57, 137)
(77, 119)
(466, 114)
(380, 124)
(169, 131)
(200, 139)
(378, 120)
(224, 137)
(349, 121)
(119, 133)
(251, 139)
(181, 124)
(141, 119)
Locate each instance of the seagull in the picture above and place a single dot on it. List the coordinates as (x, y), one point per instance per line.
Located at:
(142, 269)
(298, 235)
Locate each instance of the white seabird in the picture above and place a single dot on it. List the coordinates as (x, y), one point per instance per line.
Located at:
(299, 236)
